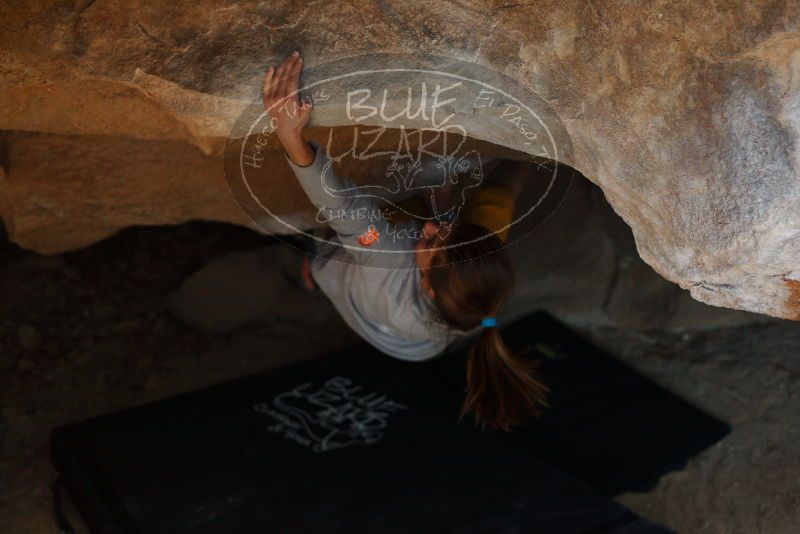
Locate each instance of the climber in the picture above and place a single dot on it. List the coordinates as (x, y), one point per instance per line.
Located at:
(450, 282)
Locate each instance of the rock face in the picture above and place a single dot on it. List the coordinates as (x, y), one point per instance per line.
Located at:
(116, 114)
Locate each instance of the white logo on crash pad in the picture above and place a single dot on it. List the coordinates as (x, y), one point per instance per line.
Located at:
(334, 416)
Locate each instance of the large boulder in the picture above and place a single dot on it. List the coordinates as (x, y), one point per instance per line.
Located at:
(687, 116)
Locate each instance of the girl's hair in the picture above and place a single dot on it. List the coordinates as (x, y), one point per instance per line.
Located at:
(470, 281)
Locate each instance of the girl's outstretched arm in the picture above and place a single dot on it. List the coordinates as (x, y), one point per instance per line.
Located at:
(357, 219)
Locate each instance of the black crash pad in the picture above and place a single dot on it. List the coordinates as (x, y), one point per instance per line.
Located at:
(351, 442)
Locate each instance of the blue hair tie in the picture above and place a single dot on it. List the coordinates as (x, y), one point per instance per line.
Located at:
(488, 322)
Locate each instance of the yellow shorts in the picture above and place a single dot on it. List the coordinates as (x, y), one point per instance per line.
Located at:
(491, 206)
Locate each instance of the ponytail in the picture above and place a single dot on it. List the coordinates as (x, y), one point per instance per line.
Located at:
(470, 282)
(503, 389)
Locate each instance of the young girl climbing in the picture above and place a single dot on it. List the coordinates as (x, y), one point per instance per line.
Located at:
(415, 296)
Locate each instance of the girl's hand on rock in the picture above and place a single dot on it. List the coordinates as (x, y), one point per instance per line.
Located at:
(281, 98)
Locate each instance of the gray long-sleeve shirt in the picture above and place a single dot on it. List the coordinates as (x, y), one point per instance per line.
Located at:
(377, 293)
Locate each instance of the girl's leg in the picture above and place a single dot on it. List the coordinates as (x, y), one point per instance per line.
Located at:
(493, 204)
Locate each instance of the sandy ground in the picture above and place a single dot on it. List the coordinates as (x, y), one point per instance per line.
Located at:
(87, 332)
